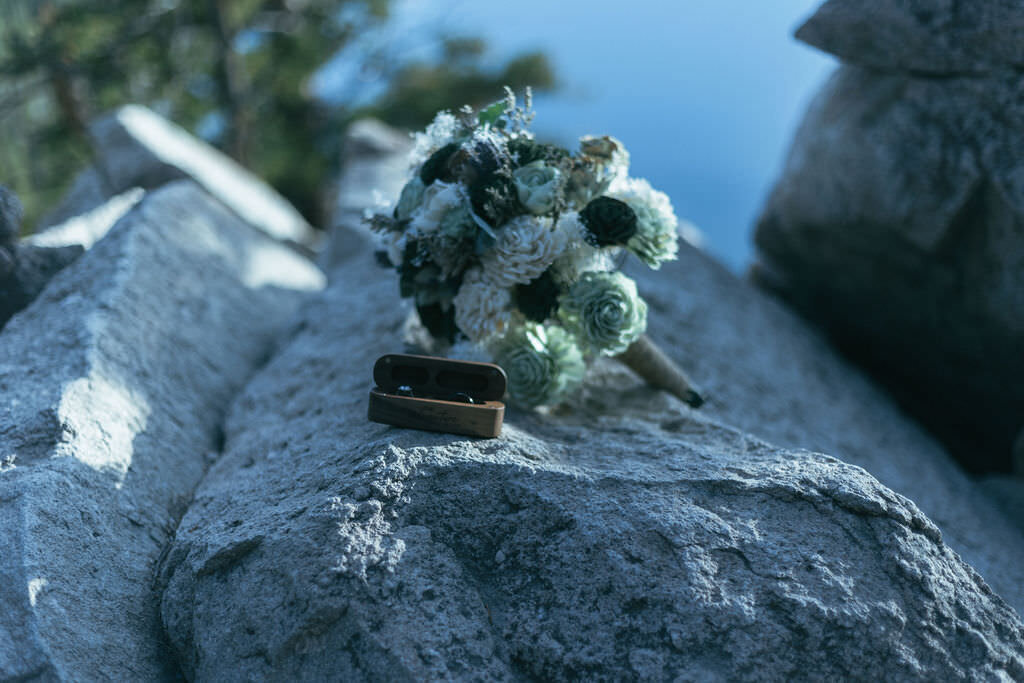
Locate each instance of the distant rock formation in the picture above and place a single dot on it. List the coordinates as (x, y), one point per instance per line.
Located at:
(898, 221)
(24, 268)
(139, 148)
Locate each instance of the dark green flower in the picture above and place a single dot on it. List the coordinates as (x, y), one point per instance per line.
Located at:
(609, 221)
(437, 167)
(538, 300)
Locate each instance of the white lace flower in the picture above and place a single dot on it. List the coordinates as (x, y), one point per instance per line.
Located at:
(442, 130)
(524, 249)
(439, 199)
(482, 309)
(579, 255)
(656, 238)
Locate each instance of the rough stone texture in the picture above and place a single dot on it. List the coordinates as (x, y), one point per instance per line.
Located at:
(138, 148)
(25, 270)
(374, 162)
(768, 373)
(928, 36)
(27, 266)
(10, 216)
(114, 383)
(626, 537)
(898, 226)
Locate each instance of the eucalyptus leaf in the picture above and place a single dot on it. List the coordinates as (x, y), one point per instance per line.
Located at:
(490, 115)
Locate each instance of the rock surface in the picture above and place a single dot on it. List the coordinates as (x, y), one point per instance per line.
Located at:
(10, 216)
(114, 385)
(25, 270)
(374, 163)
(898, 226)
(767, 373)
(927, 36)
(26, 266)
(138, 148)
(627, 537)
(89, 227)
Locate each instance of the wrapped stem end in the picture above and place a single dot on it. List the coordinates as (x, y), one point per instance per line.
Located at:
(652, 365)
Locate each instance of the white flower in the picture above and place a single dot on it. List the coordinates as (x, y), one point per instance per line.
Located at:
(579, 255)
(524, 249)
(482, 309)
(444, 129)
(439, 199)
(657, 233)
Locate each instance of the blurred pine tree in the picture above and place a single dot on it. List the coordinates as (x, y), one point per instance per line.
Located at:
(237, 72)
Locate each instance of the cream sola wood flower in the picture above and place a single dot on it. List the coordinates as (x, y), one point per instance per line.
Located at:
(579, 255)
(523, 249)
(483, 310)
(543, 363)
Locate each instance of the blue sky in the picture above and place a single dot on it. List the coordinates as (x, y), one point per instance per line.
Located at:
(705, 94)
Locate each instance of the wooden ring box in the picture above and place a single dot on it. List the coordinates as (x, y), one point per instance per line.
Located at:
(454, 396)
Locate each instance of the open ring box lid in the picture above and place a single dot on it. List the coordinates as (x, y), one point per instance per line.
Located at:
(441, 391)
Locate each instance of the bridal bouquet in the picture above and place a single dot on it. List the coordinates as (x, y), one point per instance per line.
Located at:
(512, 245)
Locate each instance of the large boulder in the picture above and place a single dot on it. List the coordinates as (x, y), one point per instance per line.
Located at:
(924, 36)
(898, 222)
(114, 383)
(625, 536)
(138, 148)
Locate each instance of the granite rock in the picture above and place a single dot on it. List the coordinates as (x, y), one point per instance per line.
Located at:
(768, 373)
(374, 164)
(138, 148)
(26, 266)
(10, 216)
(89, 227)
(624, 536)
(114, 383)
(897, 225)
(25, 270)
(945, 37)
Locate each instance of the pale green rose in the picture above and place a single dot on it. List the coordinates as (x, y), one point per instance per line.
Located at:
(604, 311)
(538, 186)
(410, 199)
(543, 363)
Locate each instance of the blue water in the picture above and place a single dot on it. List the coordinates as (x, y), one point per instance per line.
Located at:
(705, 94)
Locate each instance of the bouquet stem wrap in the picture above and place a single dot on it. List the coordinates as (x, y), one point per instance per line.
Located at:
(652, 365)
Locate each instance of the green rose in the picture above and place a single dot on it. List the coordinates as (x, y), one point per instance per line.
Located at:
(538, 186)
(604, 310)
(410, 199)
(544, 364)
(457, 223)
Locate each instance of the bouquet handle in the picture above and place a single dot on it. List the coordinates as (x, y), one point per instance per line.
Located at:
(649, 362)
